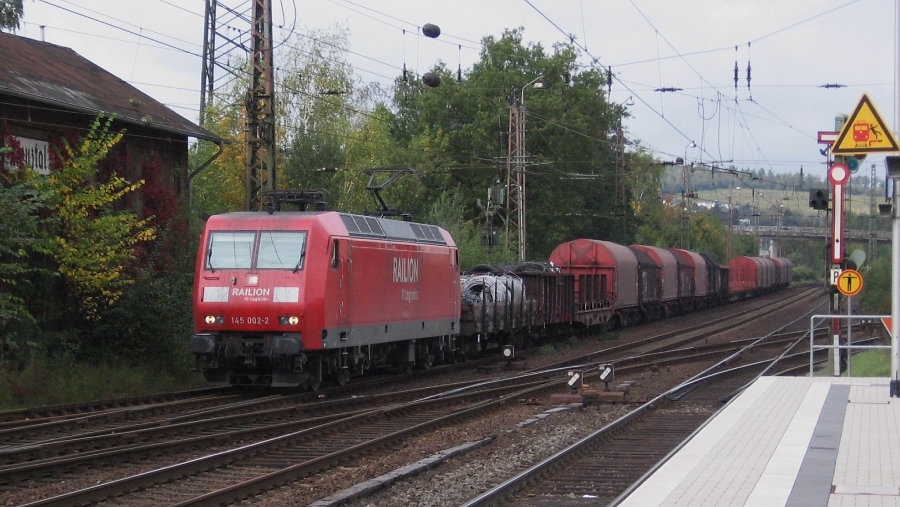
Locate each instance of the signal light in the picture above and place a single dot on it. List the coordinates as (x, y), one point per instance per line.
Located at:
(818, 198)
(851, 161)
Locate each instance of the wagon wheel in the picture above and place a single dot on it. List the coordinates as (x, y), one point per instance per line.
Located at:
(342, 378)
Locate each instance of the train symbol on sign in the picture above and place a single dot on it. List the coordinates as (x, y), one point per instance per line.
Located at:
(863, 133)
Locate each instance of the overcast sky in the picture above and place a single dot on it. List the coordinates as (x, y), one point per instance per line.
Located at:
(794, 48)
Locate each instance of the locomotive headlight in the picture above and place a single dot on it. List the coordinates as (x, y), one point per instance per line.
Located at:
(213, 319)
(288, 321)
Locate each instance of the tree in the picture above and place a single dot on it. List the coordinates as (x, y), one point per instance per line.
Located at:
(92, 241)
(11, 12)
(325, 122)
(220, 187)
(316, 86)
(321, 122)
(20, 238)
(456, 135)
(876, 293)
(447, 211)
(707, 235)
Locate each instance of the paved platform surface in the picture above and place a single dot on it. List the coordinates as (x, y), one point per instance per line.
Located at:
(789, 441)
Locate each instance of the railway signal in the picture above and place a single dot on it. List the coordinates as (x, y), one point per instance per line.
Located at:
(818, 199)
(838, 174)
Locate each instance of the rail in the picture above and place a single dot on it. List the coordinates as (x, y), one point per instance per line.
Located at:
(836, 345)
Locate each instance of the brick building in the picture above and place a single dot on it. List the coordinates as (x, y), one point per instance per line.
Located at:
(49, 93)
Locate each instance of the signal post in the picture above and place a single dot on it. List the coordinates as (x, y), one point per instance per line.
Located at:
(863, 133)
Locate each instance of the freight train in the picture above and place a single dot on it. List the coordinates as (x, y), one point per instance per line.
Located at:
(298, 298)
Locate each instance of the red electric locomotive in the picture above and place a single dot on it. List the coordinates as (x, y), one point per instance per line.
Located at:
(287, 298)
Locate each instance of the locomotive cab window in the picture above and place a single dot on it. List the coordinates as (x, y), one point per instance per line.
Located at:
(281, 250)
(230, 250)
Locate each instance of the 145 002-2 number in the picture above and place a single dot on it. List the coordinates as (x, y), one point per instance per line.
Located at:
(250, 320)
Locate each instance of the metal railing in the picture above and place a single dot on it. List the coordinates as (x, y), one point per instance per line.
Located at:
(808, 232)
(836, 342)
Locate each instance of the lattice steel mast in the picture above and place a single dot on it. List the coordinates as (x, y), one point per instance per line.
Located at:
(515, 178)
(260, 174)
(207, 75)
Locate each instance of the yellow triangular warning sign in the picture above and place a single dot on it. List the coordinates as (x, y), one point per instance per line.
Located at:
(864, 132)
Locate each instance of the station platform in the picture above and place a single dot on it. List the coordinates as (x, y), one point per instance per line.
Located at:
(788, 441)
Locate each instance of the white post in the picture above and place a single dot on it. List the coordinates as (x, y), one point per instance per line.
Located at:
(849, 331)
(895, 294)
(895, 236)
(836, 341)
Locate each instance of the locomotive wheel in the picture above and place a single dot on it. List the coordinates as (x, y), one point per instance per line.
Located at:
(342, 378)
(315, 385)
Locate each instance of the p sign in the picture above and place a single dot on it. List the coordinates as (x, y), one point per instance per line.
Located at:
(835, 274)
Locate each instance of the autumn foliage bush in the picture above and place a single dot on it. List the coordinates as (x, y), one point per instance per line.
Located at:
(85, 278)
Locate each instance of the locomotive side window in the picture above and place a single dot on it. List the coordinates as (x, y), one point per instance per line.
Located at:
(281, 250)
(230, 250)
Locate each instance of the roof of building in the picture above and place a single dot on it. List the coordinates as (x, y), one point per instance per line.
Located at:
(60, 77)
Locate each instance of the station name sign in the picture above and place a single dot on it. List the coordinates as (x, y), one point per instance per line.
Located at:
(36, 153)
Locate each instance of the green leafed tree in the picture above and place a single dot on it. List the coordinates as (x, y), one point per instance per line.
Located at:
(220, 186)
(11, 12)
(876, 292)
(325, 118)
(21, 238)
(457, 136)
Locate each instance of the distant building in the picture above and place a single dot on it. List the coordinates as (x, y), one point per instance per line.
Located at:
(49, 93)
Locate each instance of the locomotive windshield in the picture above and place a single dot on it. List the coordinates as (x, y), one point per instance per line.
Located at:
(235, 250)
(281, 250)
(230, 250)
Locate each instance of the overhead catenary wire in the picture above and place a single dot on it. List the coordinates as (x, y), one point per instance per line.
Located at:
(746, 115)
(660, 112)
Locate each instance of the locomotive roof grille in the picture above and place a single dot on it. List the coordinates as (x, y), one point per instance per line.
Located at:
(395, 230)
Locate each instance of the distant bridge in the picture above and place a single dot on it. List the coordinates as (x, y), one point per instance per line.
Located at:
(824, 233)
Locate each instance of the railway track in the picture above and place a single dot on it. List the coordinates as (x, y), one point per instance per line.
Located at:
(604, 465)
(295, 453)
(205, 447)
(790, 349)
(10, 419)
(32, 434)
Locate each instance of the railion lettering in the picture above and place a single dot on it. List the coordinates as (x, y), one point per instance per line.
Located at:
(406, 270)
(250, 291)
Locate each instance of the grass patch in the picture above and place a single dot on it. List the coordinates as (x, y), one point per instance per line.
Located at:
(547, 349)
(871, 363)
(59, 381)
